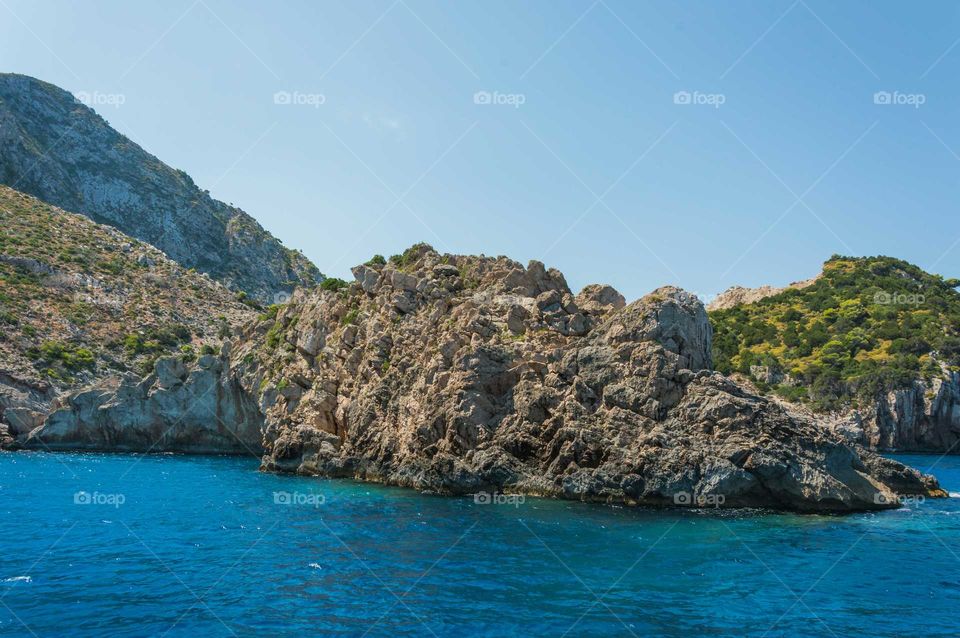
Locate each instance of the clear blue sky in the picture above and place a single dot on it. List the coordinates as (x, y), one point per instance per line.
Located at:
(796, 164)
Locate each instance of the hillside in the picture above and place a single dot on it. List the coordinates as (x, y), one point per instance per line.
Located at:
(57, 149)
(81, 301)
(859, 336)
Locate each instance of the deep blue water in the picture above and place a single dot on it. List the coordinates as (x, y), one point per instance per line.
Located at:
(199, 547)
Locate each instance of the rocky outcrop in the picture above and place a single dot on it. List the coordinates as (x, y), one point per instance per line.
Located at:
(457, 375)
(200, 410)
(920, 418)
(738, 295)
(54, 147)
(24, 403)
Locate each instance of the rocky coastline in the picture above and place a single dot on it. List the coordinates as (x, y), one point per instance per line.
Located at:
(458, 374)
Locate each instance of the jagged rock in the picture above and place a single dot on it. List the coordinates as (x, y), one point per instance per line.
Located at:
(366, 276)
(23, 420)
(170, 371)
(917, 418)
(623, 409)
(599, 299)
(737, 295)
(766, 374)
(445, 270)
(205, 413)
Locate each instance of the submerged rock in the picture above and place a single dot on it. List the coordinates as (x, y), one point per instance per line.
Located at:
(456, 375)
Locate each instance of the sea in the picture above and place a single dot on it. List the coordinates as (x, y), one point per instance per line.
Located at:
(168, 545)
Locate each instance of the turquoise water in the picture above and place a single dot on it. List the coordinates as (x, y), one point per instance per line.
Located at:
(192, 546)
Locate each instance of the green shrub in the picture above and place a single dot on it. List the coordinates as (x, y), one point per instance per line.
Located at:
(274, 335)
(351, 316)
(156, 340)
(271, 312)
(333, 284)
(69, 357)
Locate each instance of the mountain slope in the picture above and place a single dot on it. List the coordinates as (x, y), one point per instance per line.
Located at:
(873, 336)
(81, 301)
(61, 151)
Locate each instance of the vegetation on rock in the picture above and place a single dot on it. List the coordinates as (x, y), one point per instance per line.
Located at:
(864, 327)
(81, 300)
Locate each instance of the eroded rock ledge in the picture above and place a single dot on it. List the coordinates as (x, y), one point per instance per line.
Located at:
(457, 374)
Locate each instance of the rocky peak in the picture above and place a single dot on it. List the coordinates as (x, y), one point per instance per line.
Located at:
(739, 295)
(671, 317)
(57, 149)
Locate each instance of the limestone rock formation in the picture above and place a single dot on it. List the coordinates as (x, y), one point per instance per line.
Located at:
(923, 417)
(737, 295)
(173, 410)
(455, 374)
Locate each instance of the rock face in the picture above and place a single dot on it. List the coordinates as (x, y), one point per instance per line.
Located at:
(59, 150)
(920, 418)
(738, 295)
(456, 375)
(173, 410)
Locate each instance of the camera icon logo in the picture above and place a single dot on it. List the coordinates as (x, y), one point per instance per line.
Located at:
(482, 97)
